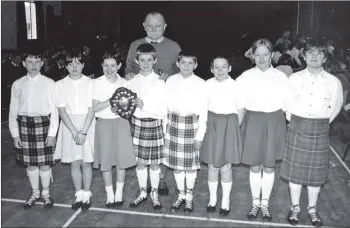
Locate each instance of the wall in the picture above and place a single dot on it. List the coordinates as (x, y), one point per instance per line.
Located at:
(8, 25)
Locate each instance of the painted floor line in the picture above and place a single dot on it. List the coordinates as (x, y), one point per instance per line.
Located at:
(163, 215)
(341, 160)
(70, 220)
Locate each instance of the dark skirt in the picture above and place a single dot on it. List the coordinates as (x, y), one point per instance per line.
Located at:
(33, 132)
(180, 134)
(222, 142)
(306, 157)
(113, 144)
(148, 140)
(263, 138)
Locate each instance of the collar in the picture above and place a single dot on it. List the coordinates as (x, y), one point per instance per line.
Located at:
(148, 40)
(188, 78)
(148, 77)
(117, 81)
(263, 72)
(35, 78)
(308, 74)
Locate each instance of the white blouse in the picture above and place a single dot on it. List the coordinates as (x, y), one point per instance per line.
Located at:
(74, 95)
(186, 97)
(314, 96)
(263, 91)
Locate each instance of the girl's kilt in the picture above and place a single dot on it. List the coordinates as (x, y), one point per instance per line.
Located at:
(148, 140)
(263, 138)
(222, 142)
(33, 133)
(306, 155)
(180, 134)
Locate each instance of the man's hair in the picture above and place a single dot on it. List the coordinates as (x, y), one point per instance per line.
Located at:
(262, 42)
(112, 54)
(155, 13)
(220, 57)
(187, 54)
(316, 44)
(72, 54)
(145, 49)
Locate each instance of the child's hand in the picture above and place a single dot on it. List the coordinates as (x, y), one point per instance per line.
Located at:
(80, 138)
(17, 142)
(197, 144)
(164, 76)
(139, 103)
(50, 141)
(129, 76)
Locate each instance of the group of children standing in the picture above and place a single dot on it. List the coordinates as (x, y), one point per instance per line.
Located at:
(180, 123)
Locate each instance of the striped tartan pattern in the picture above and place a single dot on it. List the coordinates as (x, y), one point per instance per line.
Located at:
(148, 140)
(179, 139)
(33, 133)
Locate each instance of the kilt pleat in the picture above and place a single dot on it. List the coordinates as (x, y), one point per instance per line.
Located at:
(306, 157)
(33, 132)
(148, 140)
(179, 152)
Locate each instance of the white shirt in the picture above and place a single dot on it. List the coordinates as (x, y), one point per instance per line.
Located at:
(74, 95)
(33, 97)
(188, 97)
(314, 96)
(102, 90)
(223, 97)
(151, 91)
(263, 91)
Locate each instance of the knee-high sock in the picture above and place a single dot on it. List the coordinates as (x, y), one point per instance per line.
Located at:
(45, 177)
(33, 177)
(213, 186)
(142, 176)
(295, 190)
(190, 181)
(226, 192)
(110, 194)
(266, 187)
(154, 177)
(119, 192)
(180, 183)
(313, 195)
(255, 186)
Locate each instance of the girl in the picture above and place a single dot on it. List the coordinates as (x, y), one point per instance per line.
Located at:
(75, 142)
(222, 141)
(113, 142)
(263, 89)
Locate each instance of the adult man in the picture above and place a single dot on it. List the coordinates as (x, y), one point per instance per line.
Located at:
(167, 52)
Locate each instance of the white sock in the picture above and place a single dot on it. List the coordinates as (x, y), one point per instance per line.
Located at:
(213, 186)
(154, 177)
(34, 181)
(226, 192)
(180, 183)
(313, 195)
(86, 196)
(295, 190)
(45, 177)
(266, 188)
(190, 181)
(110, 194)
(142, 179)
(255, 186)
(79, 195)
(119, 192)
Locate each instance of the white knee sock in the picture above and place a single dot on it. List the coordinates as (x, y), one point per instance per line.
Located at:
(295, 190)
(34, 181)
(154, 177)
(45, 177)
(266, 187)
(190, 181)
(180, 183)
(119, 192)
(142, 179)
(313, 195)
(110, 194)
(226, 192)
(255, 186)
(213, 186)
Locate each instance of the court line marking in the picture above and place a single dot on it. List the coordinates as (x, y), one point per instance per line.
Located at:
(341, 160)
(70, 220)
(163, 215)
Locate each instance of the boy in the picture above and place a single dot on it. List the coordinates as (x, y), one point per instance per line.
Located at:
(146, 124)
(186, 126)
(33, 123)
(314, 101)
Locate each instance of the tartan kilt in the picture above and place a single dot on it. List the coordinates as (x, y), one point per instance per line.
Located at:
(33, 132)
(179, 151)
(148, 140)
(306, 157)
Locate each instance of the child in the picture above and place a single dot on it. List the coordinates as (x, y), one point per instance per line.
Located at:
(146, 124)
(33, 123)
(315, 100)
(186, 126)
(75, 142)
(113, 142)
(222, 141)
(263, 90)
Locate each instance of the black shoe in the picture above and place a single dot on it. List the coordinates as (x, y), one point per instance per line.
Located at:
(188, 206)
(48, 201)
(224, 212)
(86, 205)
(109, 204)
(76, 205)
(31, 201)
(140, 199)
(265, 213)
(155, 200)
(211, 209)
(253, 212)
(118, 203)
(176, 206)
(163, 189)
(293, 215)
(314, 217)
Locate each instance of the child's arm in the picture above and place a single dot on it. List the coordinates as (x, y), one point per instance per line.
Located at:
(13, 113)
(337, 101)
(67, 121)
(54, 120)
(203, 116)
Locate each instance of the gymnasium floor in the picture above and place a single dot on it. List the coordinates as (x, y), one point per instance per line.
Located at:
(333, 206)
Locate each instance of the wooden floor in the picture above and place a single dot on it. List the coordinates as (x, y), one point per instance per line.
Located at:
(333, 204)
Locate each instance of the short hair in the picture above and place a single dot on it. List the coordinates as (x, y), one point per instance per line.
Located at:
(34, 52)
(187, 54)
(315, 44)
(285, 59)
(220, 57)
(155, 13)
(262, 42)
(145, 49)
(72, 54)
(112, 54)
